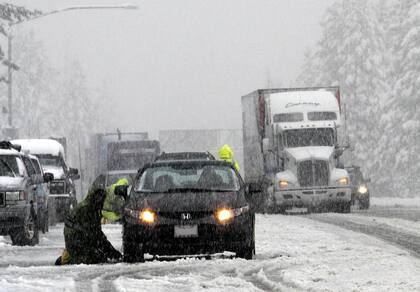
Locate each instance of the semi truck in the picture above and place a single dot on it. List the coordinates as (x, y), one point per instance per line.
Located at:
(291, 149)
(119, 155)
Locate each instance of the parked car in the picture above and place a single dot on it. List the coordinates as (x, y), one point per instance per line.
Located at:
(187, 208)
(23, 199)
(360, 194)
(185, 156)
(41, 191)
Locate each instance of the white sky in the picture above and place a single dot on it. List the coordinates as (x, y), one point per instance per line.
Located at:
(184, 63)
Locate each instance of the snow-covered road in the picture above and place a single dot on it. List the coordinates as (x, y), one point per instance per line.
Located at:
(294, 253)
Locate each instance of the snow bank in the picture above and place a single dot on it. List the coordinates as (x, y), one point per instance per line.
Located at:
(402, 225)
(395, 202)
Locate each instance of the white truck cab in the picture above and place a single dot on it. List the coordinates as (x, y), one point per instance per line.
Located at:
(299, 148)
(62, 191)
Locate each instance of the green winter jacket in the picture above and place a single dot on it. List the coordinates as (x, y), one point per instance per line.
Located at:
(226, 154)
(113, 204)
(84, 239)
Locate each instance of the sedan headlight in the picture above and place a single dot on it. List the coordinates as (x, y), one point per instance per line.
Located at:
(147, 216)
(344, 181)
(362, 189)
(224, 215)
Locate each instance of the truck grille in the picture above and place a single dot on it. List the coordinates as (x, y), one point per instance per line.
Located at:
(2, 199)
(57, 187)
(313, 173)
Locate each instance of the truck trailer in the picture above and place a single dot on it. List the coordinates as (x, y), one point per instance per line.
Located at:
(291, 149)
(119, 155)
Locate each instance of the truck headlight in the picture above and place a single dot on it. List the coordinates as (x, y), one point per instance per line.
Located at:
(362, 189)
(344, 181)
(15, 196)
(283, 184)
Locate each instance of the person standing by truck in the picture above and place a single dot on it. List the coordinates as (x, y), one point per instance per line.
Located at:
(226, 154)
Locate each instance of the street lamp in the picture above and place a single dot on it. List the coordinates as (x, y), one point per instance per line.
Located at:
(11, 66)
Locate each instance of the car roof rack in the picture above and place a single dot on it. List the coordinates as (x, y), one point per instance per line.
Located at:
(8, 145)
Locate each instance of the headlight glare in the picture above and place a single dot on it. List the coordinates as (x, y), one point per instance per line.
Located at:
(343, 181)
(363, 189)
(224, 215)
(283, 184)
(147, 216)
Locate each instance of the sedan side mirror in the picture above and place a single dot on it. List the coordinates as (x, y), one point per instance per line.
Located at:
(254, 195)
(254, 188)
(121, 191)
(48, 177)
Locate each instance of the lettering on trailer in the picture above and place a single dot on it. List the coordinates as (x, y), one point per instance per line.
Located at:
(293, 104)
(136, 151)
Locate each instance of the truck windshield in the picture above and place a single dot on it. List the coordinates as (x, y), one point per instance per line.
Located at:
(124, 161)
(178, 177)
(50, 160)
(309, 137)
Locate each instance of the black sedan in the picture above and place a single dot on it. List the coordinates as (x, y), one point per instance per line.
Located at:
(187, 208)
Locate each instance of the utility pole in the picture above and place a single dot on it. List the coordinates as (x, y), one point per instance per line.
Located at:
(9, 79)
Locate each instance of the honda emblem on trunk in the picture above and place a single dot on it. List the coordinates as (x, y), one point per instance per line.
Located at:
(186, 216)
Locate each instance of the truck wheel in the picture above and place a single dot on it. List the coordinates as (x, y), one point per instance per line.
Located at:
(28, 234)
(45, 225)
(344, 207)
(364, 205)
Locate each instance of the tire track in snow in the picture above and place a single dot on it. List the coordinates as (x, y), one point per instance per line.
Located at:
(385, 232)
(256, 273)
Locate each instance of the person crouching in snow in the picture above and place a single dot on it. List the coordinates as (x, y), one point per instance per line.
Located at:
(85, 243)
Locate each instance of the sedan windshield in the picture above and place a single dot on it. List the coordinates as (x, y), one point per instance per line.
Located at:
(188, 176)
